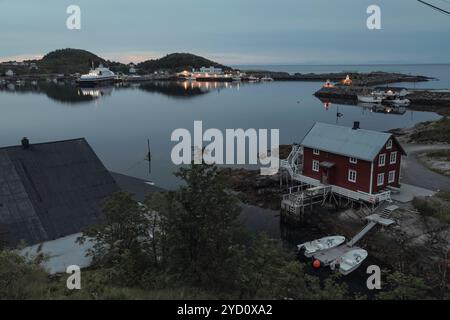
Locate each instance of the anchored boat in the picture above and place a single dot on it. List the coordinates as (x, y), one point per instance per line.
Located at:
(351, 260)
(326, 243)
(96, 76)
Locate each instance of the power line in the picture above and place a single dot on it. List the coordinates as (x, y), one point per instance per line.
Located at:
(435, 7)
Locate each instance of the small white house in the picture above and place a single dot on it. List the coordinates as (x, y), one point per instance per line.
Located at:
(9, 73)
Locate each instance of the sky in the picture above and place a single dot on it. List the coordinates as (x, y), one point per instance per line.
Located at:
(231, 32)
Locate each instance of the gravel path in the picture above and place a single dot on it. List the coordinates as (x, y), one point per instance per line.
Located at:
(416, 174)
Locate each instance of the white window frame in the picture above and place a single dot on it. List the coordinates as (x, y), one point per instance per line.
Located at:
(392, 172)
(382, 163)
(350, 173)
(353, 160)
(316, 152)
(314, 163)
(378, 179)
(389, 144)
(393, 154)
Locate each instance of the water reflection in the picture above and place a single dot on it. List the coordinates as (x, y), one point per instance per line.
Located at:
(70, 93)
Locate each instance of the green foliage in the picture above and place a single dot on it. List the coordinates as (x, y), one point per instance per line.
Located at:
(121, 242)
(429, 207)
(69, 61)
(404, 287)
(178, 62)
(437, 131)
(20, 279)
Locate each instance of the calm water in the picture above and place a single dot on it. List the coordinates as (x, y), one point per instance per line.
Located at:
(117, 121)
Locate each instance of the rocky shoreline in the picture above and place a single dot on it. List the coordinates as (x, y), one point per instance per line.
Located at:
(358, 79)
(418, 98)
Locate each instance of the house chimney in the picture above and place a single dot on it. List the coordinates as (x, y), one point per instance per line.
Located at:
(355, 125)
(25, 143)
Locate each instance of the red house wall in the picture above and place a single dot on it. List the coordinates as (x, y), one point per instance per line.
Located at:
(387, 167)
(339, 173)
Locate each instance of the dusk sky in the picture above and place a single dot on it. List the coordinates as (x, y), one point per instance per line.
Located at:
(232, 31)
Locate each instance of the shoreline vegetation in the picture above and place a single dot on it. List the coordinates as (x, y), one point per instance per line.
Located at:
(196, 249)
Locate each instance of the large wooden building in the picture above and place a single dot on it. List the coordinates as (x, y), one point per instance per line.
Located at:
(352, 158)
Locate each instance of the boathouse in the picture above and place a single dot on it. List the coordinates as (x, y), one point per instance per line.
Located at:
(51, 190)
(358, 164)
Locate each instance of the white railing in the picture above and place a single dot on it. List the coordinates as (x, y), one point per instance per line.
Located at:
(291, 166)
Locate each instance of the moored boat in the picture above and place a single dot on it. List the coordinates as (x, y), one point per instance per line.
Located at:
(321, 244)
(96, 76)
(351, 260)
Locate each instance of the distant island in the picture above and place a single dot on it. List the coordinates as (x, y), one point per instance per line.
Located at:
(71, 61)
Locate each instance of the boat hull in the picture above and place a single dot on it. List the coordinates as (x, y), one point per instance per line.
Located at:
(322, 244)
(351, 261)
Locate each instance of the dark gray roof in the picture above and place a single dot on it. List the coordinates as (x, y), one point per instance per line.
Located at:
(51, 190)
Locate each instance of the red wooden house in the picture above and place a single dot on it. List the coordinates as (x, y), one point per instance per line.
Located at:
(352, 158)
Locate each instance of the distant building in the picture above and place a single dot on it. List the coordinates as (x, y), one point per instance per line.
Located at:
(352, 158)
(9, 73)
(51, 190)
(132, 68)
(347, 81)
(33, 66)
(211, 70)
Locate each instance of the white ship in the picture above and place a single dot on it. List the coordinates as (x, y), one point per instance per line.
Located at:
(326, 243)
(97, 75)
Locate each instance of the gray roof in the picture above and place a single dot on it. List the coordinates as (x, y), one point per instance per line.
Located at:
(51, 190)
(361, 144)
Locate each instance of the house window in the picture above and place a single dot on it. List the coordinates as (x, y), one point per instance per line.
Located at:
(382, 160)
(389, 144)
(393, 159)
(352, 175)
(391, 178)
(353, 160)
(380, 179)
(315, 165)
(316, 152)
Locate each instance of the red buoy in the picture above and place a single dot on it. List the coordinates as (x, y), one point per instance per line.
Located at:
(316, 264)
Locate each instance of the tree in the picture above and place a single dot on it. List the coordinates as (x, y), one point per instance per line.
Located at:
(404, 287)
(120, 244)
(200, 226)
(21, 278)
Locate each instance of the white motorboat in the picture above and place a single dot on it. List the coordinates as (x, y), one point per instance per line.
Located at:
(326, 243)
(97, 75)
(253, 79)
(236, 79)
(370, 99)
(373, 97)
(266, 79)
(351, 260)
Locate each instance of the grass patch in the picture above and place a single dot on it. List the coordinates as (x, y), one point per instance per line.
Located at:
(437, 131)
(433, 207)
